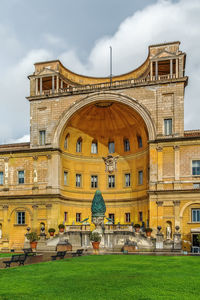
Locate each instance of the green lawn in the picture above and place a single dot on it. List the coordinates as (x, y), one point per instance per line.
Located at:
(104, 277)
(6, 254)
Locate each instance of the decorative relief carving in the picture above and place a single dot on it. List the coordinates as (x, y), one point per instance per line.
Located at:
(159, 148)
(159, 203)
(35, 157)
(6, 159)
(176, 203)
(48, 156)
(5, 206)
(111, 163)
(176, 148)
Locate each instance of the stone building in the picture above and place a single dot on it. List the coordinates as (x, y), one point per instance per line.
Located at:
(125, 138)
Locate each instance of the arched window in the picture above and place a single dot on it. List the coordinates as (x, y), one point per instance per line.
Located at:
(111, 147)
(66, 141)
(126, 145)
(94, 147)
(79, 145)
(139, 141)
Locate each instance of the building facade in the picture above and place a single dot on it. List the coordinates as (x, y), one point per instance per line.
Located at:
(125, 138)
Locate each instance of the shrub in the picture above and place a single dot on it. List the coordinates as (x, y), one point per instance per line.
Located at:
(61, 226)
(137, 225)
(51, 230)
(95, 237)
(32, 236)
(148, 229)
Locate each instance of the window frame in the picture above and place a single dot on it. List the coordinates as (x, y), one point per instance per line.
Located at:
(79, 145)
(167, 127)
(78, 175)
(111, 147)
(2, 177)
(127, 147)
(19, 178)
(22, 218)
(112, 216)
(140, 216)
(94, 147)
(93, 182)
(112, 183)
(196, 160)
(193, 210)
(128, 217)
(126, 181)
(139, 140)
(42, 137)
(78, 217)
(66, 141)
(65, 178)
(140, 182)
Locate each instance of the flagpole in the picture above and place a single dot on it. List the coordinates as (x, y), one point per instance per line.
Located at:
(110, 65)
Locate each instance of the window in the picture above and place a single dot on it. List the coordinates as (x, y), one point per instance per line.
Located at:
(94, 147)
(127, 217)
(78, 217)
(139, 141)
(65, 216)
(111, 147)
(66, 141)
(196, 185)
(42, 137)
(1, 178)
(65, 177)
(79, 145)
(20, 177)
(140, 177)
(168, 126)
(196, 167)
(140, 216)
(127, 179)
(112, 217)
(20, 217)
(111, 181)
(126, 145)
(94, 181)
(78, 180)
(196, 215)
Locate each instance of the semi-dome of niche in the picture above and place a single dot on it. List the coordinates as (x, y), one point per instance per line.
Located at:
(104, 122)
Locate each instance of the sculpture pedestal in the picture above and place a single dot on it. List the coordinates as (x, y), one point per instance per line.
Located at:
(159, 241)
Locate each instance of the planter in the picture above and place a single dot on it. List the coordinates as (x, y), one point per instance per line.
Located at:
(51, 233)
(95, 245)
(61, 229)
(33, 245)
(137, 229)
(148, 233)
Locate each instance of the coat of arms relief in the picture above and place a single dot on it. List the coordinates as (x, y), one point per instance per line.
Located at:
(110, 163)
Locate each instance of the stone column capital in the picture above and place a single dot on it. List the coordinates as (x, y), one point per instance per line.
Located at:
(159, 148)
(159, 203)
(176, 148)
(34, 206)
(5, 206)
(176, 202)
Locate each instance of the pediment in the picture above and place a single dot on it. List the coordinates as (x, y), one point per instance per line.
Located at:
(164, 54)
(46, 71)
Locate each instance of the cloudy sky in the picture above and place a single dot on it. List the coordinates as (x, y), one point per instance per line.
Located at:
(79, 33)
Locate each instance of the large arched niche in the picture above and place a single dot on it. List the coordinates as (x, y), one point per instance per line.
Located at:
(105, 97)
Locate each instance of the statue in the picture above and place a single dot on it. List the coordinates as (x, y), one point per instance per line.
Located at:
(111, 163)
(98, 210)
(168, 232)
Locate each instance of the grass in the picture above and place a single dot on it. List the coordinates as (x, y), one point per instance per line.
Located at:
(6, 254)
(104, 277)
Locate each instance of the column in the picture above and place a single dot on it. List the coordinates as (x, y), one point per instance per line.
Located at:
(57, 84)
(159, 213)
(5, 226)
(160, 163)
(36, 86)
(171, 68)
(176, 162)
(151, 70)
(48, 214)
(40, 85)
(6, 170)
(53, 84)
(176, 212)
(34, 221)
(49, 183)
(61, 84)
(35, 177)
(156, 70)
(177, 61)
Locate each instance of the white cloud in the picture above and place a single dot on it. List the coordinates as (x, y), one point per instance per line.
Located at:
(162, 22)
(23, 139)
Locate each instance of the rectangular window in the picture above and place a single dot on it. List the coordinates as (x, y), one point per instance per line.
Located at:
(127, 217)
(65, 216)
(111, 181)
(140, 177)
(65, 177)
(78, 217)
(94, 148)
(168, 126)
(20, 177)
(42, 137)
(126, 145)
(196, 167)
(140, 216)
(196, 215)
(139, 141)
(20, 217)
(78, 180)
(127, 179)
(94, 181)
(196, 185)
(1, 178)
(112, 217)
(111, 147)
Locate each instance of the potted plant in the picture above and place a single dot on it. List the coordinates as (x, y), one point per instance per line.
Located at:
(148, 231)
(61, 227)
(33, 238)
(51, 231)
(137, 227)
(95, 238)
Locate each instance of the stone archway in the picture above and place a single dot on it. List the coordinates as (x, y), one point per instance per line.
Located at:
(102, 96)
